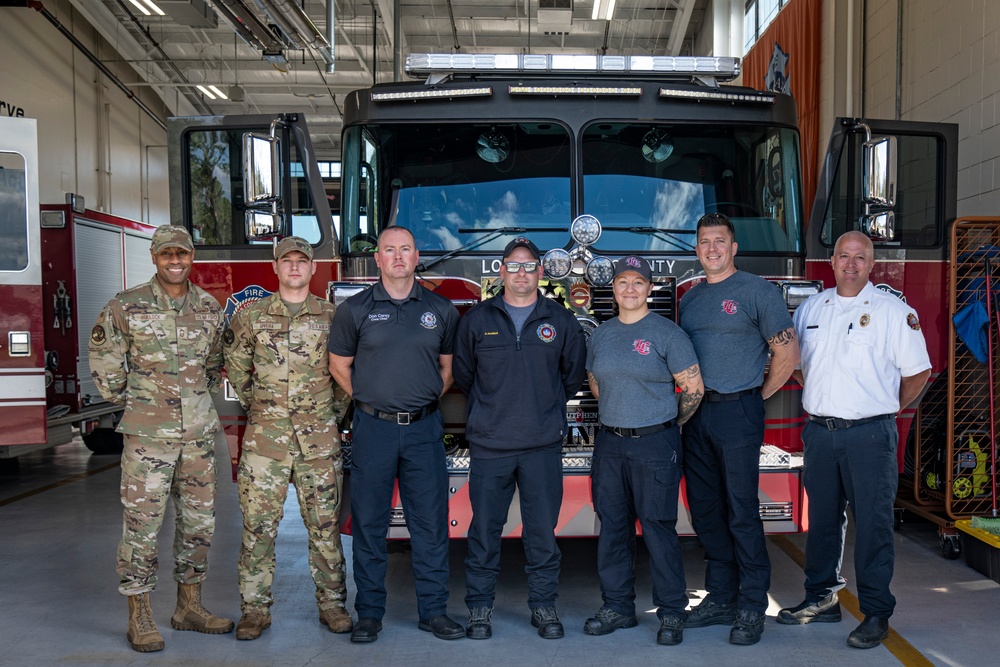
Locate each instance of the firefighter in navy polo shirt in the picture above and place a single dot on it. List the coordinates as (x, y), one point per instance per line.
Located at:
(391, 350)
(519, 357)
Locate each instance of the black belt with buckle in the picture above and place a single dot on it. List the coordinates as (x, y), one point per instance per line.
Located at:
(637, 432)
(401, 418)
(712, 396)
(835, 423)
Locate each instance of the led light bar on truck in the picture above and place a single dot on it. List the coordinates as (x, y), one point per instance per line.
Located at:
(718, 95)
(720, 68)
(477, 91)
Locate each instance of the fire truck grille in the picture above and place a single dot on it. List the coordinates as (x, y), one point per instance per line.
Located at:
(663, 300)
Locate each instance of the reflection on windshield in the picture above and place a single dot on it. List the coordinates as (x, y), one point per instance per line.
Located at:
(750, 174)
(646, 183)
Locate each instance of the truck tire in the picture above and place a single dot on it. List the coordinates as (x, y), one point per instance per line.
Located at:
(104, 441)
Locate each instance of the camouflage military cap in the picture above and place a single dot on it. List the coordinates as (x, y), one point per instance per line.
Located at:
(171, 236)
(290, 244)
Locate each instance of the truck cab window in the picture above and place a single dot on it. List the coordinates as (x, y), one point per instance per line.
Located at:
(13, 214)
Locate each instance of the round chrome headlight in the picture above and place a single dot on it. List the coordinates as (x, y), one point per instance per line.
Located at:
(600, 271)
(557, 263)
(585, 229)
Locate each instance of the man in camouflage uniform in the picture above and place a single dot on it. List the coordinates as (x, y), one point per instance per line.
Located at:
(157, 350)
(277, 363)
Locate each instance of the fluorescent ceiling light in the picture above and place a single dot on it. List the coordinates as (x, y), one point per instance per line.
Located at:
(602, 9)
(218, 92)
(206, 92)
(147, 7)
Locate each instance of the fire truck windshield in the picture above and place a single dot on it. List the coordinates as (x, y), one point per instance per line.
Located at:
(454, 185)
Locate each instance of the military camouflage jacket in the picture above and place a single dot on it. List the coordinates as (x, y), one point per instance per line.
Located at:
(160, 361)
(278, 364)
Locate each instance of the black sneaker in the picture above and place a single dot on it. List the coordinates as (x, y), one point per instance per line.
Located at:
(711, 613)
(748, 628)
(480, 623)
(607, 620)
(547, 621)
(826, 610)
(671, 631)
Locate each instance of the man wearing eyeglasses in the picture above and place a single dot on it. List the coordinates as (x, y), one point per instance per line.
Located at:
(519, 358)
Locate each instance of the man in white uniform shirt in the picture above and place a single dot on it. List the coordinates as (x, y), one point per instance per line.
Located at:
(863, 359)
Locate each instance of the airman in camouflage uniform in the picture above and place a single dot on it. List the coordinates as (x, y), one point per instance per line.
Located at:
(277, 363)
(156, 350)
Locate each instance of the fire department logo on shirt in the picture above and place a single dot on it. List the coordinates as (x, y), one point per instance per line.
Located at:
(912, 320)
(546, 333)
(729, 306)
(641, 346)
(428, 320)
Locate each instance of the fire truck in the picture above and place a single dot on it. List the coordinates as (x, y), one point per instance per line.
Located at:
(59, 265)
(592, 157)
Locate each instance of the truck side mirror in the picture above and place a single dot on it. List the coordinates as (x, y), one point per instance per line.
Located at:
(263, 225)
(879, 172)
(879, 226)
(261, 169)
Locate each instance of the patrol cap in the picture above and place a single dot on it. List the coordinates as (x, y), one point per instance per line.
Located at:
(170, 236)
(522, 242)
(636, 264)
(290, 244)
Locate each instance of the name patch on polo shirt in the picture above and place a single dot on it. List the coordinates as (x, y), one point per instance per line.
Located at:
(378, 317)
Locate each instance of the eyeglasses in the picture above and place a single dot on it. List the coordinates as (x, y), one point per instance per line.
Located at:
(514, 267)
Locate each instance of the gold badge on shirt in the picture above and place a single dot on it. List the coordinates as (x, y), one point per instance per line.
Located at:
(865, 319)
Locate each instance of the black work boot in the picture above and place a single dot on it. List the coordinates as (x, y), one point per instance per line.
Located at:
(870, 633)
(607, 620)
(748, 628)
(480, 623)
(547, 621)
(671, 631)
(711, 613)
(826, 610)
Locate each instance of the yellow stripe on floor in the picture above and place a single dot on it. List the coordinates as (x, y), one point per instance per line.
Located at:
(899, 647)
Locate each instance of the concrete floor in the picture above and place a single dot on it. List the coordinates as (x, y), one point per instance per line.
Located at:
(60, 519)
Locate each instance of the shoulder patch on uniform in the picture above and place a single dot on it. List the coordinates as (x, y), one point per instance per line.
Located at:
(913, 322)
(229, 337)
(97, 335)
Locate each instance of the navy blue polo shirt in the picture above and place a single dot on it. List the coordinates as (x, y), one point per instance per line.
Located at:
(395, 345)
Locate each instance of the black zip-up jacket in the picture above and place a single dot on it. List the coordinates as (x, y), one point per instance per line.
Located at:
(518, 386)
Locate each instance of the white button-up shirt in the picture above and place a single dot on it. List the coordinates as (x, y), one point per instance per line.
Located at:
(854, 356)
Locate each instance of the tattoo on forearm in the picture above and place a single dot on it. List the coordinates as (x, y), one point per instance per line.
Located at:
(687, 403)
(591, 380)
(782, 338)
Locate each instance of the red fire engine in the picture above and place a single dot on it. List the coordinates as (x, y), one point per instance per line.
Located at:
(59, 265)
(593, 158)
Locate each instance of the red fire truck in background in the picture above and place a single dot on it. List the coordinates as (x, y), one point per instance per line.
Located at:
(59, 265)
(591, 157)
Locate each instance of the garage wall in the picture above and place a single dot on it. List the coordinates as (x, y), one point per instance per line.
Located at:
(950, 72)
(93, 140)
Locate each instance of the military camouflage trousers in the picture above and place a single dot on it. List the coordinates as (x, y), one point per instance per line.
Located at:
(153, 470)
(263, 487)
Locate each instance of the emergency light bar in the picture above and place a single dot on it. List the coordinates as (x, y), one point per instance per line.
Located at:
(575, 90)
(718, 96)
(719, 68)
(478, 91)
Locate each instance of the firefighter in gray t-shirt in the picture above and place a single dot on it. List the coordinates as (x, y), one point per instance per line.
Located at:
(733, 319)
(633, 363)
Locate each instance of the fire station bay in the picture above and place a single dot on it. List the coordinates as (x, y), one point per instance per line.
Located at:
(212, 212)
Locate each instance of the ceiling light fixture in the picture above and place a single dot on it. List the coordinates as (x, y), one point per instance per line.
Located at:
(147, 7)
(602, 9)
(211, 92)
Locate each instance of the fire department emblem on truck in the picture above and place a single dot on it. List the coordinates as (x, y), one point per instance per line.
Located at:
(244, 298)
(579, 295)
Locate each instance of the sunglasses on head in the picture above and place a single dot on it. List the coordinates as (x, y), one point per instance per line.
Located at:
(514, 267)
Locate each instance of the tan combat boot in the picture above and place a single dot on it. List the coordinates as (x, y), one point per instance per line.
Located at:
(190, 615)
(142, 632)
(337, 619)
(253, 622)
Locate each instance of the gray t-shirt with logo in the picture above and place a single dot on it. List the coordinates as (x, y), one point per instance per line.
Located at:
(729, 324)
(634, 365)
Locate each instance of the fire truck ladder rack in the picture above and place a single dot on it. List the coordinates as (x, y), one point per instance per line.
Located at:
(952, 449)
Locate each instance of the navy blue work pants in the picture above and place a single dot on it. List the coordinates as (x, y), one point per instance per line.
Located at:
(538, 477)
(638, 478)
(381, 451)
(722, 468)
(853, 466)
